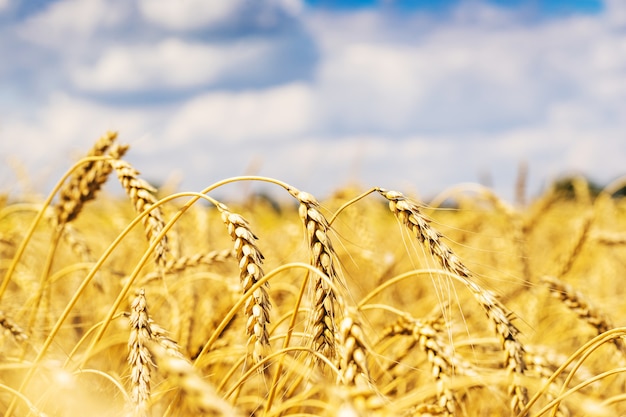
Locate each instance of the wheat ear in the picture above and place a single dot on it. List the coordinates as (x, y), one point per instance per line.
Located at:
(442, 362)
(210, 258)
(409, 214)
(322, 257)
(579, 305)
(200, 394)
(139, 356)
(362, 395)
(583, 234)
(353, 363)
(77, 243)
(250, 258)
(12, 327)
(173, 266)
(141, 194)
(87, 179)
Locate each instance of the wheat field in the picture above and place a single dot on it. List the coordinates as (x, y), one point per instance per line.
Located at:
(369, 303)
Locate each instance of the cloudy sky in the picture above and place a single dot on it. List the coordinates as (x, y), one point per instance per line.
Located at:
(414, 95)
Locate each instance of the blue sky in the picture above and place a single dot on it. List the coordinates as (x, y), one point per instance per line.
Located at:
(413, 95)
(551, 7)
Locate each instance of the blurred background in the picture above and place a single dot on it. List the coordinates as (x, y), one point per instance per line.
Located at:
(410, 95)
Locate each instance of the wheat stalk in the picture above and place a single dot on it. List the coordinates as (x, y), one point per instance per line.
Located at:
(540, 366)
(250, 258)
(410, 215)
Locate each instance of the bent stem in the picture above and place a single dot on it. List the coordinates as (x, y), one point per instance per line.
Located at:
(292, 325)
(40, 214)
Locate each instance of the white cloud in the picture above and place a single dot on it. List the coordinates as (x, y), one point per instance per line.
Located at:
(371, 86)
(170, 64)
(67, 21)
(293, 7)
(615, 13)
(4, 4)
(46, 139)
(467, 75)
(270, 114)
(401, 88)
(189, 14)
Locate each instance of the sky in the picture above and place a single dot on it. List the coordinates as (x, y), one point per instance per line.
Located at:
(411, 95)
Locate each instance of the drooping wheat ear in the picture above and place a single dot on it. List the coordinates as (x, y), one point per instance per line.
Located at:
(442, 361)
(141, 194)
(577, 303)
(257, 308)
(77, 243)
(87, 179)
(160, 335)
(139, 356)
(199, 393)
(567, 261)
(409, 214)
(12, 327)
(210, 258)
(173, 266)
(322, 257)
